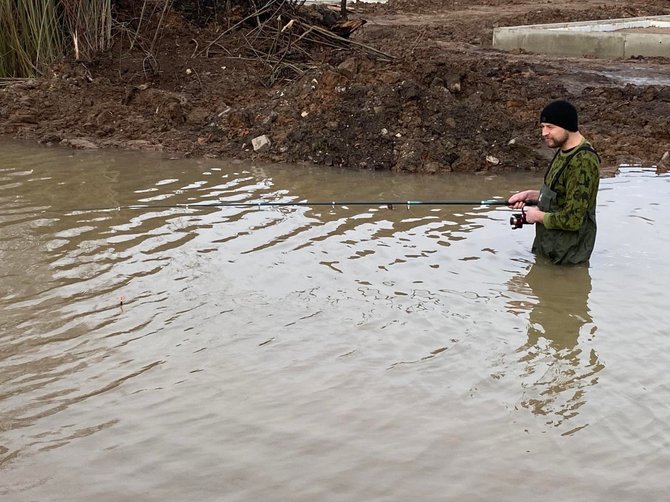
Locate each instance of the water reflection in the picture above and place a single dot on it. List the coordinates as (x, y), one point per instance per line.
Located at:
(558, 367)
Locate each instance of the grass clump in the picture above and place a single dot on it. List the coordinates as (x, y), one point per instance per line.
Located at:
(36, 33)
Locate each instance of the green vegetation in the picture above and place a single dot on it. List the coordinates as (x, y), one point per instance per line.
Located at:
(36, 33)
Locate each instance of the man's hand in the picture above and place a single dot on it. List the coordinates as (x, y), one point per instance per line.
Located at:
(521, 199)
(534, 215)
(517, 201)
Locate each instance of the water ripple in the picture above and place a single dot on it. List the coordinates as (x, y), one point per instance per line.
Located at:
(299, 340)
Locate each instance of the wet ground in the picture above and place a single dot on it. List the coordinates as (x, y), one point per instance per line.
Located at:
(419, 90)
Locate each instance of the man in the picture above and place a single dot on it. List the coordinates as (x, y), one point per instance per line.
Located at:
(564, 209)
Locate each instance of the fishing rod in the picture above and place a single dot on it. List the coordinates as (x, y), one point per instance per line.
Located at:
(260, 204)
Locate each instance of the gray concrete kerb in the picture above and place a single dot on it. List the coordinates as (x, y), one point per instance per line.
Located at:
(607, 38)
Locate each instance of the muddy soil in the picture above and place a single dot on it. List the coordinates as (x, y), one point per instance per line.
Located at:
(419, 89)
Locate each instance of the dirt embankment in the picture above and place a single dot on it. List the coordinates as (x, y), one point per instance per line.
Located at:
(444, 101)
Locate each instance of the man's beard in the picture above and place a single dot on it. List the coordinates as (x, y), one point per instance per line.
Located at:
(556, 142)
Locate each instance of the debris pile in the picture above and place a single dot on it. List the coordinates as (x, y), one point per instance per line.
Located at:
(285, 35)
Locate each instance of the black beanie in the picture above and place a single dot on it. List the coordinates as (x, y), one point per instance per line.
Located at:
(562, 114)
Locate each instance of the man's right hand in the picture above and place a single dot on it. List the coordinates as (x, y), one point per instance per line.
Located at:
(525, 198)
(518, 200)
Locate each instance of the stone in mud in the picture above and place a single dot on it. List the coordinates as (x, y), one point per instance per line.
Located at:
(260, 143)
(80, 144)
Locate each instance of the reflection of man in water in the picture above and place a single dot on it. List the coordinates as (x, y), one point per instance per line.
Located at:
(558, 369)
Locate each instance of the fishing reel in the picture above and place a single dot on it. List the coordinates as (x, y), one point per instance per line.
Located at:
(518, 220)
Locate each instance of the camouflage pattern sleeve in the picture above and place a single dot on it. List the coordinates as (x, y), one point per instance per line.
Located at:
(576, 193)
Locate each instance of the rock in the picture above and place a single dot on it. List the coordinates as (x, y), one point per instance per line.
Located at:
(260, 142)
(409, 90)
(198, 115)
(270, 118)
(23, 118)
(492, 160)
(142, 144)
(349, 67)
(437, 82)
(454, 83)
(80, 143)
(50, 138)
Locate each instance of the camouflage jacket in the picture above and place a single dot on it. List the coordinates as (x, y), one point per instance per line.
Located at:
(576, 189)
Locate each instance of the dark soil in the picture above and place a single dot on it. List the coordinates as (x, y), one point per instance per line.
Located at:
(445, 101)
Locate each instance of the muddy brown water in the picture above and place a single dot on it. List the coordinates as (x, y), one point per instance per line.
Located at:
(323, 353)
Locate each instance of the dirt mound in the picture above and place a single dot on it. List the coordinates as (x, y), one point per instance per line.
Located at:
(417, 89)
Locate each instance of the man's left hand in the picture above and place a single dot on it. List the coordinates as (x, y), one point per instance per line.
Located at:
(534, 215)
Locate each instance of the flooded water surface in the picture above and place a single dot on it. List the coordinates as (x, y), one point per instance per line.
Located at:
(321, 353)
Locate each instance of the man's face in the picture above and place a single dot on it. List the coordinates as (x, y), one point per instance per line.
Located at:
(553, 136)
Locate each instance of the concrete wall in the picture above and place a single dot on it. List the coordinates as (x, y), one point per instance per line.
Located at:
(588, 38)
